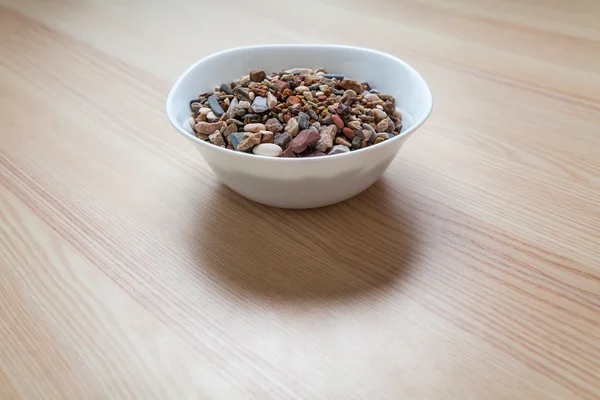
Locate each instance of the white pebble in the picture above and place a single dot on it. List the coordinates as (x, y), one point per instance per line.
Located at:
(372, 97)
(267, 149)
(254, 128)
(211, 116)
(379, 107)
(192, 122)
(319, 94)
(323, 88)
(244, 104)
(308, 96)
(204, 110)
(251, 95)
(301, 89)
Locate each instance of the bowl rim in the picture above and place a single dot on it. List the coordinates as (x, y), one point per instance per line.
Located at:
(175, 124)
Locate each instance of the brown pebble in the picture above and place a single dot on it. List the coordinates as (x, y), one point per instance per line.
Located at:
(287, 92)
(379, 140)
(305, 138)
(281, 85)
(229, 130)
(337, 121)
(207, 128)
(288, 153)
(351, 84)
(267, 137)
(349, 133)
(258, 76)
(249, 142)
(294, 100)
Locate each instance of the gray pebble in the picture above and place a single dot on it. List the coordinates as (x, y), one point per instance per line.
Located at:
(242, 93)
(338, 149)
(333, 76)
(391, 136)
(328, 120)
(373, 132)
(374, 91)
(226, 89)
(213, 103)
(260, 104)
(312, 114)
(303, 121)
(282, 140)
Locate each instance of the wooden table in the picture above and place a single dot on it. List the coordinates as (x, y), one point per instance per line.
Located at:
(470, 271)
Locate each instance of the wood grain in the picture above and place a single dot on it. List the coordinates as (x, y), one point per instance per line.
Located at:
(470, 271)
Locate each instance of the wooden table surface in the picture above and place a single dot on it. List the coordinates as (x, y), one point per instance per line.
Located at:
(471, 270)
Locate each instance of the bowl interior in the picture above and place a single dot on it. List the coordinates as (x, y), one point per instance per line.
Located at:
(382, 71)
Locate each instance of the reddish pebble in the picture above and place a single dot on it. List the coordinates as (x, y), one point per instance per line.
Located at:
(305, 138)
(281, 85)
(288, 153)
(337, 121)
(343, 141)
(294, 100)
(287, 117)
(349, 133)
(322, 98)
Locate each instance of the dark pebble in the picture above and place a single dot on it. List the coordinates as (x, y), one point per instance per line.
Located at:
(258, 76)
(213, 103)
(303, 121)
(312, 114)
(314, 86)
(226, 89)
(252, 118)
(356, 143)
(242, 93)
(282, 140)
(375, 91)
(333, 76)
(288, 153)
(338, 92)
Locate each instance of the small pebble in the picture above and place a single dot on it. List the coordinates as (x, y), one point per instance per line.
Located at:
(292, 127)
(213, 103)
(349, 133)
(288, 153)
(204, 110)
(249, 142)
(282, 140)
(211, 117)
(217, 139)
(254, 128)
(338, 149)
(356, 143)
(337, 121)
(231, 128)
(372, 97)
(257, 76)
(301, 89)
(260, 104)
(267, 137)
(236, 138)
(352, 85)
(304, 139)
(267, 149)
(242, 94)
(342, 141)
(271, 101)
(273, 125)
(333, 76)
(308, 96)
(303, 121)
(226, 89)
(379, 114)
(207, 128)
(251, 96)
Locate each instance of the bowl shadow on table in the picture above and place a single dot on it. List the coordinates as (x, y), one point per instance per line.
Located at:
(359, 247)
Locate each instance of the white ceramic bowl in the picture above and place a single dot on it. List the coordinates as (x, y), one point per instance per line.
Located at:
(302, 182)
